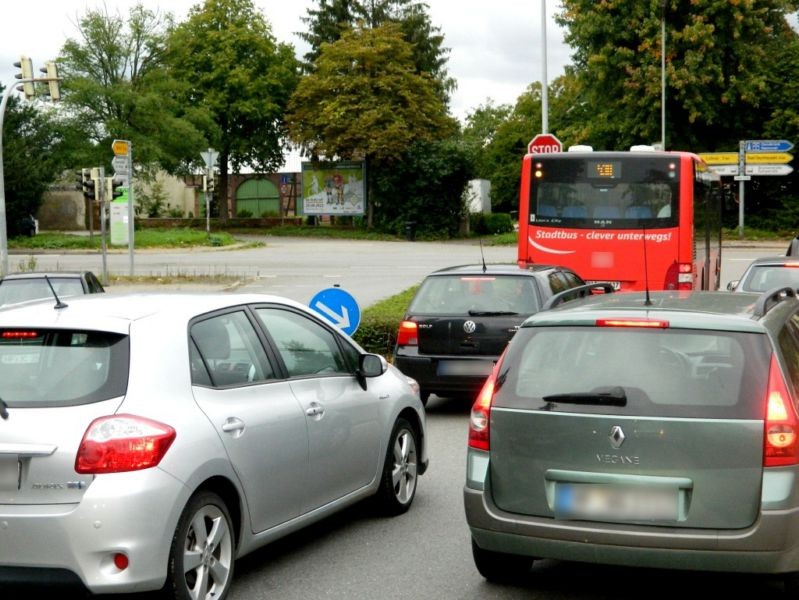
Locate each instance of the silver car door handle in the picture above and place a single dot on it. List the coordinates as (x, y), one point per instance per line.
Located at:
(315, 410)
(384, 396)
(233, 424)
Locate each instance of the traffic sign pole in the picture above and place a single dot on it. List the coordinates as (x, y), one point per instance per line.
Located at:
(741, 182)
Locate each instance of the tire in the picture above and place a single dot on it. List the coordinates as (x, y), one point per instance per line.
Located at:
(202, 555)
(400, 470)
(499, 567)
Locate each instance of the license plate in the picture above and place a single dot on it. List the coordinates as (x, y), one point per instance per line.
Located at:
(475, 368)
(9, 472)
(615, 503)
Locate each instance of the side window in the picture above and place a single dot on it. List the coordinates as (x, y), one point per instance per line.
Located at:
(571, 279)
(789, 345)
(230, 351)
(557, 282)
(306, 347)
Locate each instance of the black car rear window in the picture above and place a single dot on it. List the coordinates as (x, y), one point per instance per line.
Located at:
(61, 367)
(462, 295)
(660, 373)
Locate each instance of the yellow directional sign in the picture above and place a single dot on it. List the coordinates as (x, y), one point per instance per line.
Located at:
(771, 158)
(120, 147)
(720, 158)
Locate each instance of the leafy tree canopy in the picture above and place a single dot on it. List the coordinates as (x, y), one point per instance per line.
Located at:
(115, 87)
(332, 18)
(364, 100)
(717, 68)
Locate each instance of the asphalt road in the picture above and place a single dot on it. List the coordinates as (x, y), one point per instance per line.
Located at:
(424, 554)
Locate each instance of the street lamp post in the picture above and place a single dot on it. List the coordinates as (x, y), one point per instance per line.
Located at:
(544, 84)
(663, 73)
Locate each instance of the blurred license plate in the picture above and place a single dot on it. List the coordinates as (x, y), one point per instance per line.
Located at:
(477, 368)
(616, 503)
(9, 472)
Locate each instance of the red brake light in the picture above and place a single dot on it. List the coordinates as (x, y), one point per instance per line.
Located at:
(11, 335)
(780, 444)
(408, 334)
(633, 322)
(480, 417)
(119, 443)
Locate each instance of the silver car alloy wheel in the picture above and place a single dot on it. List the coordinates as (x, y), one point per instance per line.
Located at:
(404, 473)
(207, 554)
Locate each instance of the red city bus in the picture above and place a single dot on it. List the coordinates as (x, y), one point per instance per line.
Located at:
(637, 219)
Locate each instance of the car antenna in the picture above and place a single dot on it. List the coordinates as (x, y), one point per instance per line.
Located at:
(648, 301)
(482, 255)
(58, 303)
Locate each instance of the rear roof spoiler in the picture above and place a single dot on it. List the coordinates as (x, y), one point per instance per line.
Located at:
(771, 298)
(581, 291)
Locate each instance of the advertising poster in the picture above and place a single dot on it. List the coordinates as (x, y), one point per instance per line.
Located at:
(333, 188)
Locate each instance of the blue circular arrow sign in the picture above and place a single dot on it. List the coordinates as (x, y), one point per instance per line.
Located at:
(338, 307)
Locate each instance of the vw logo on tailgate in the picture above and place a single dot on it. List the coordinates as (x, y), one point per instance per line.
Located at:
(469, 326)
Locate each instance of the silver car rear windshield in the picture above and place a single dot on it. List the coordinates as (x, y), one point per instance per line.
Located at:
(624, 371)
(57, 367)
(459, 294)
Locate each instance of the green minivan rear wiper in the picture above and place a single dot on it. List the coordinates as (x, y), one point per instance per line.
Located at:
(601, 396)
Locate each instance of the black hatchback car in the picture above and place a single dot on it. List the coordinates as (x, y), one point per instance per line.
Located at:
(461, 318)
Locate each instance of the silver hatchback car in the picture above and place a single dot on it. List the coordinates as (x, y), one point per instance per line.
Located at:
(147, 441)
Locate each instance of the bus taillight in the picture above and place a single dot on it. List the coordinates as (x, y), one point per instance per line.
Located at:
(680, 276)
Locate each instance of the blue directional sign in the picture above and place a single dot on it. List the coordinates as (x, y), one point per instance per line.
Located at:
(767, 146)
(338, 307)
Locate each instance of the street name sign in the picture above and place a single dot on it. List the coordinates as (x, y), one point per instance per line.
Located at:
(338, 307)
(720, 158)
(772, 158)
(769, 169)
(767, 146)
(724, 169)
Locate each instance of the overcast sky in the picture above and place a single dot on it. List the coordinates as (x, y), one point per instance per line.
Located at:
(495, 44)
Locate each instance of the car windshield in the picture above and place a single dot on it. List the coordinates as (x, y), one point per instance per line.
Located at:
(13, 291)
(49, 367)
(767, 277)
(463, 295)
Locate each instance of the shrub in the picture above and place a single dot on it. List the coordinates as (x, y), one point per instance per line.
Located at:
(498, 223)
(377, 331)
(175, 212)
(244, 214)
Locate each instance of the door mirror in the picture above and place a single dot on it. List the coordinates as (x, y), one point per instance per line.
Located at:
(372, 365)
(731, 285)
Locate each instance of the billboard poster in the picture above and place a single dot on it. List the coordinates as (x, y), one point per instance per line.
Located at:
(333, 188)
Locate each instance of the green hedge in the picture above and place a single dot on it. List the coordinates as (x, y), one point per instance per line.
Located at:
(490, 224)
(377, 331)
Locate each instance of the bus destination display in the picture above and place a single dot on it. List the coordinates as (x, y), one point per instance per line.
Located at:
(604, 169)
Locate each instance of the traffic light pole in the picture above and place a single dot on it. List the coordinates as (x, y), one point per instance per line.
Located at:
(3, 224)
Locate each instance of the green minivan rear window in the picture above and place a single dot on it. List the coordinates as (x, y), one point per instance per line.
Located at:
(630, 370)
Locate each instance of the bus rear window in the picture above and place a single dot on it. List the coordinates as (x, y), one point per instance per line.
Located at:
(623, 193)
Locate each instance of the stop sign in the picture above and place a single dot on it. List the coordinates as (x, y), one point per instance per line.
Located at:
(544, 143)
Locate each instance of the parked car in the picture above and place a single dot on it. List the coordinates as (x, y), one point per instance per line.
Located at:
(148, 441)
(642, 431)
(461, 318)
(23, 287)
(766, 273)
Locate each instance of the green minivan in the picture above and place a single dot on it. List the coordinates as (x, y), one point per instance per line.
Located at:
(654, 430)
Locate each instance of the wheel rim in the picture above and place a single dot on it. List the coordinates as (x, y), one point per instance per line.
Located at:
(207, 554)
(403, 474)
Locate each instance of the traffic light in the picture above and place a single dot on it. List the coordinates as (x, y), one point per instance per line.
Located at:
(51, 71)
(112, 187)
(25, 65)
(87, 184)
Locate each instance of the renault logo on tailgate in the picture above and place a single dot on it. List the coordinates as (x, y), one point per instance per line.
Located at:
(616, 437)
(469, 326)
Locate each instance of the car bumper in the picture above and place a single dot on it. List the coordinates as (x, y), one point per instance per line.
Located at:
(770, 545)
(123, 512)
(447, 375)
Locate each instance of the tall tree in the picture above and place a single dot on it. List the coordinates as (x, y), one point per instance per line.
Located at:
(365, 102)
(716, 69)
(232, 66)
(115, 85)
(328, 22)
